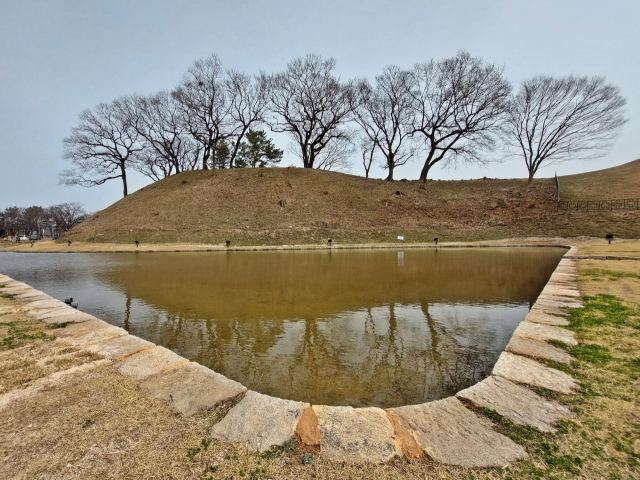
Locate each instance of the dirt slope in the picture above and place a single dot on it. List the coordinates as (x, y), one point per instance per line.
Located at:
(244, 206)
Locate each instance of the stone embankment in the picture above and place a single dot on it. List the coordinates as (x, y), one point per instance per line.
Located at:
(449, 431)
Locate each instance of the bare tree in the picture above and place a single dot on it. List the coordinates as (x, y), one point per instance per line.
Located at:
(459, 104)
(101, 146)
(67, 215)
(385, 114)
(558, 119)
(248, 98)
(312, 106)
(202, 96)
(336, 155)
(368, 151)
(168, 148)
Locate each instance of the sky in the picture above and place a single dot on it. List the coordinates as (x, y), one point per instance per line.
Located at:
(58, 57)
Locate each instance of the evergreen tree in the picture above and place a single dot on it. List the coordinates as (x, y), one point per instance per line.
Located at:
(258, 151)
(220, 155)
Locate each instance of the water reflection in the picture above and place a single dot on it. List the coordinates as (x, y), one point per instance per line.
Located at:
(359, 328)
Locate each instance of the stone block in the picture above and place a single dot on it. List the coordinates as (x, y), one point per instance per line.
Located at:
(515, 402)
(544, 332)
(537, 349)
(536, 316)
(362, 435)
(557, 311)
(192, 387)
(99, 335)
(149, 362)
(76, 329)
(560, 291)
(43, 304)
(259, 421)
(555, 301)
(120, 348)
(450, 433)
(524, 370)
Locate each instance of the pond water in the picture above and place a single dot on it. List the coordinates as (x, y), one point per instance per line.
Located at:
(343, 327)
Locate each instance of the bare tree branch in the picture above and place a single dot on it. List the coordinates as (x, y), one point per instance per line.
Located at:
(312, 106)
(385, 114)
(459, 104)
(554, 120)
(101, 146)
(202, 97)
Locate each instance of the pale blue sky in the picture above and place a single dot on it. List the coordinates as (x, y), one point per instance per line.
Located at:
(58, 57)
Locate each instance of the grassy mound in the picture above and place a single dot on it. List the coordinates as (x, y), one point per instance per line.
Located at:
(300, 206)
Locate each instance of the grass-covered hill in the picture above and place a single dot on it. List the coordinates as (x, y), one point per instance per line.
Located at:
(244, 206)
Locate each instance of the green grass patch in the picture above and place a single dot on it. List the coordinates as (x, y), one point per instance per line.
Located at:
(633, 365)
(609, 274)
(559, 344)
(8, 296)
(563, 367)
(288, 447)
(58, 325)
(592, 353)
(20, 333)
(539, 444)
(602, 310)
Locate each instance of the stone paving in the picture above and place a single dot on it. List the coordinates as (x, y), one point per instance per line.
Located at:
(448, 430)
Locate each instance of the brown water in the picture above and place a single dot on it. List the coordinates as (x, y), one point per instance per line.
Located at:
(349, 327)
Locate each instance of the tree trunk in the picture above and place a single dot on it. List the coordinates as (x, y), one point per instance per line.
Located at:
(531, 174)
(390, 165)
(236, 147)
(425, 172)
(124, 180)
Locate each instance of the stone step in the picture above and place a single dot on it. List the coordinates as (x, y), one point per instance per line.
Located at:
(100, 335)
(540, 331)
(80, 328)
(535, 316)
(515, 402)
(44, 304)
(149, 362)
(537, 349)
(53, 312)
(192, 387)
(524, 370)
(548, 302)
(362, 435)
(120, 348)
(31, 294)
(561, 300)
(259, 421)
(560, 291)
(450, 433)
(549, 310)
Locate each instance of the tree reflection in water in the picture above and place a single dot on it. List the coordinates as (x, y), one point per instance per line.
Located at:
(360, 328)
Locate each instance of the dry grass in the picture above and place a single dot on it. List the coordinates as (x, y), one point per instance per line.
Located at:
(620, 248)
(99, 424)
(242, 206)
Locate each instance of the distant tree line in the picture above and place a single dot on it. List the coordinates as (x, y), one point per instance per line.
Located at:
(54, 219)
(453, 112)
